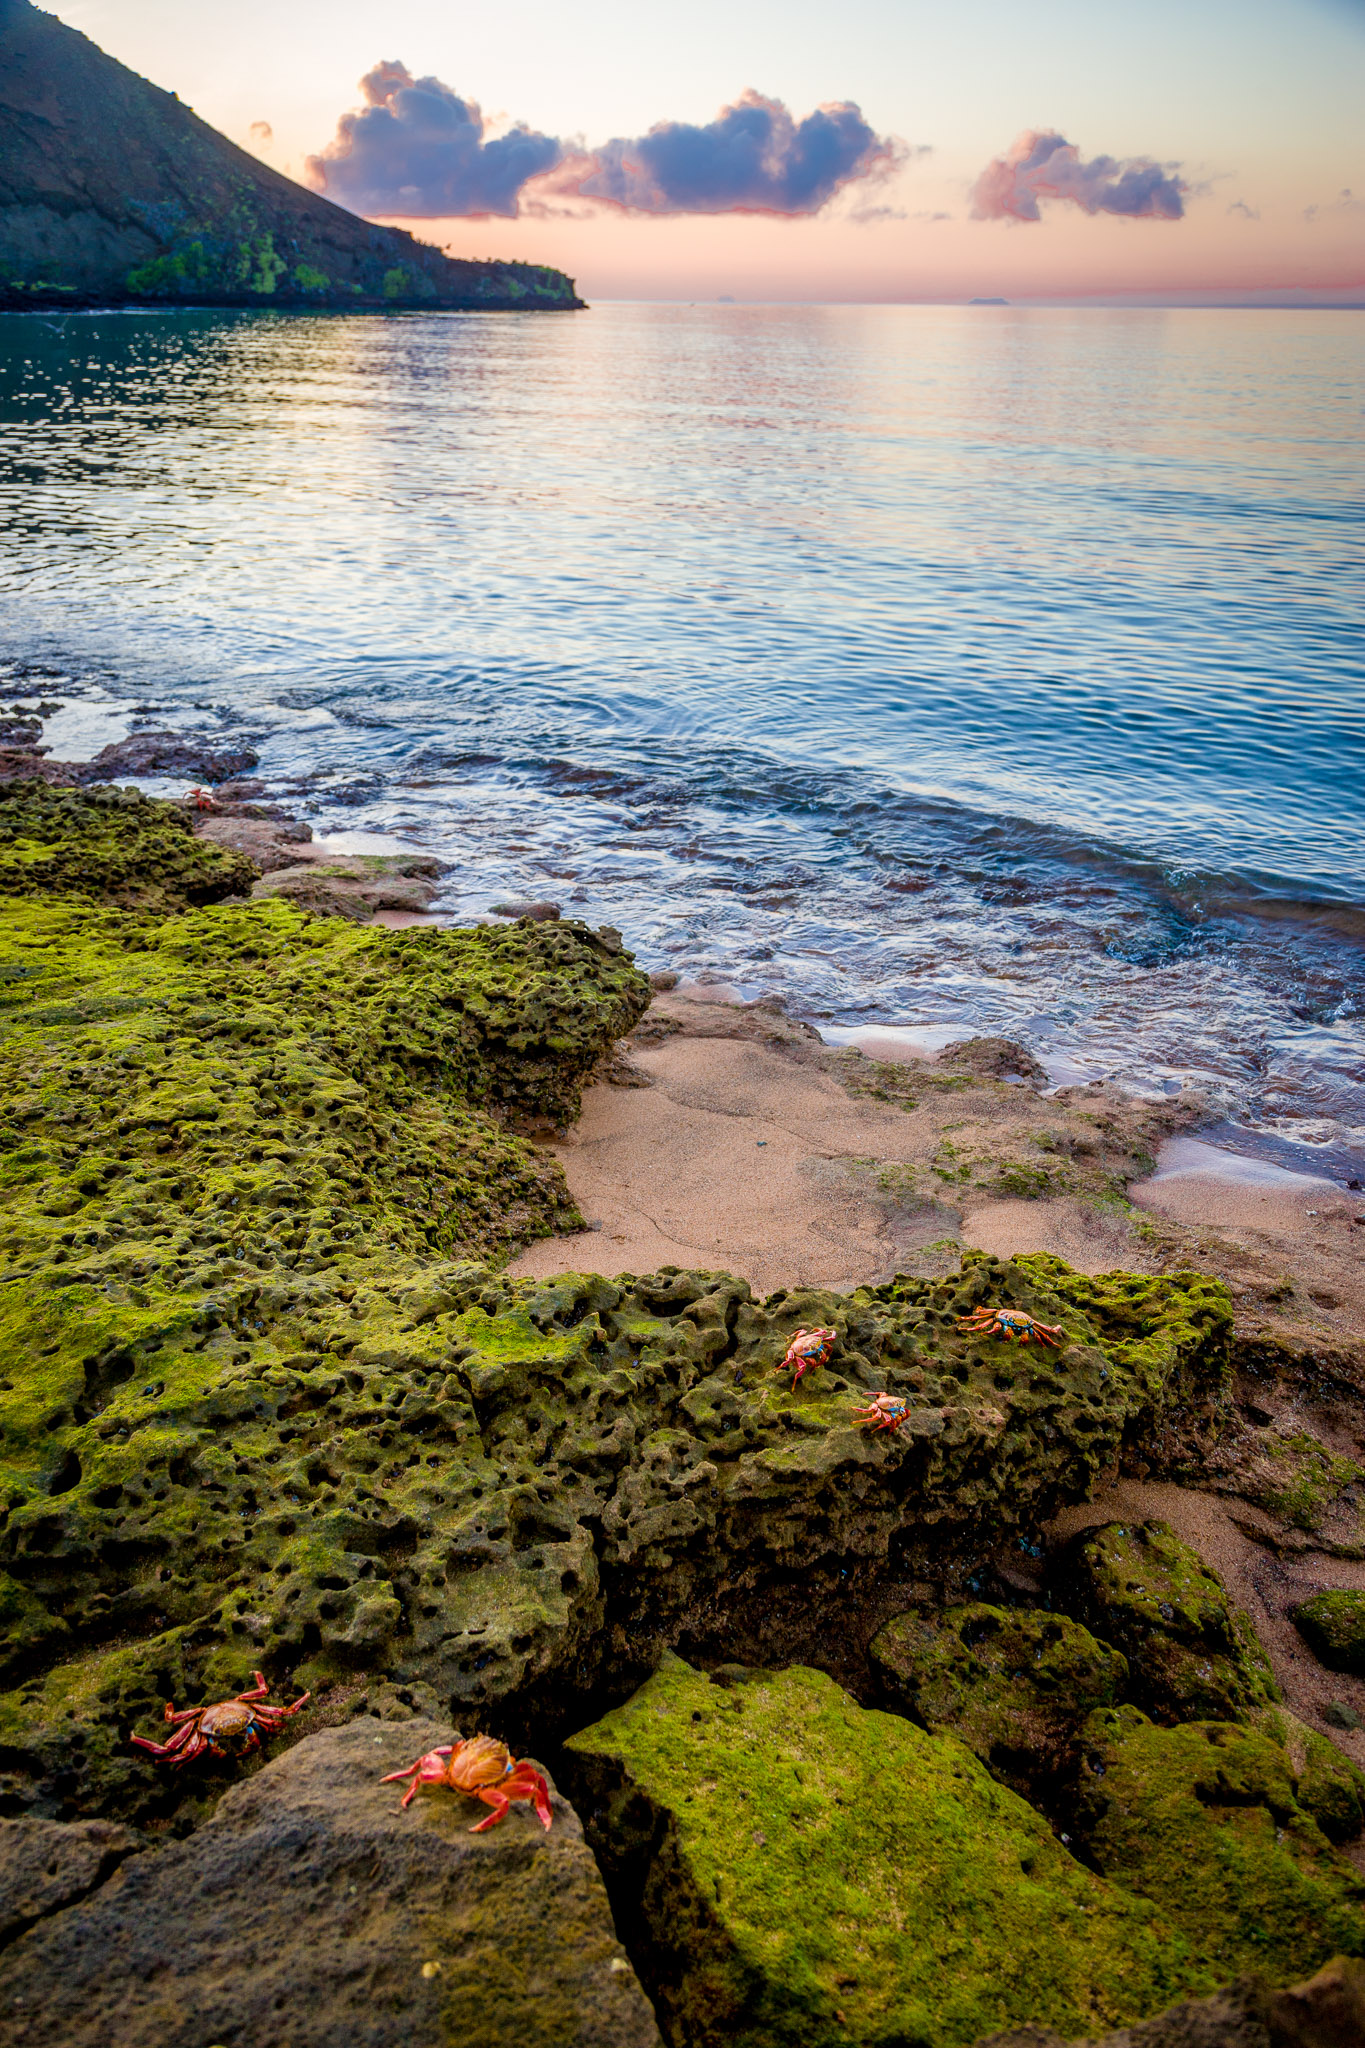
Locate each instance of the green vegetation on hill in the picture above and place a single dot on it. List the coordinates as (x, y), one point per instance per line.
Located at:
(111, 190)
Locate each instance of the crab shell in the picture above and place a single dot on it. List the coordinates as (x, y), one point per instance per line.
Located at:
(227, 1722)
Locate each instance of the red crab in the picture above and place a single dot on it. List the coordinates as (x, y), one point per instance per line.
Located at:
(225, 1729)
(482, 1768)
(808, 1348)
(884, 1411)
(202, 799)
(1011, 1323)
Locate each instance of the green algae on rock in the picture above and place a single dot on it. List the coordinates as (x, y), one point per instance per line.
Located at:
(112, 846)
(372, 1462)
(1333, 1624)
(803, 1871)
(1207, 1821)
(1191, 1653)
(1014, 1684)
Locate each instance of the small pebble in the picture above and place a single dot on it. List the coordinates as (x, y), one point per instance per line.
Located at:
(761, 1141)
(431, 1969)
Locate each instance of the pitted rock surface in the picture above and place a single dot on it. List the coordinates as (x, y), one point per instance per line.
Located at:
(47, 1864)
(310, 1911)
(509, 1490)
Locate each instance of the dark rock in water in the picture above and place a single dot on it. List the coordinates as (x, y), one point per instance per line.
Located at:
(1210, 1822)
(541, 913)
(994, 1059)
(112, 846)
(111, 190)
(1333, 1624)
(1326, 2012)
(168, 753)
(1015, 1684)
(27, 764)
(48, 1864)
(800, 1870)
(311, 1910)
(1191, 1653)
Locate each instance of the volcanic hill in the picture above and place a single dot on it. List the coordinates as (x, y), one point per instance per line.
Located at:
(112, 192)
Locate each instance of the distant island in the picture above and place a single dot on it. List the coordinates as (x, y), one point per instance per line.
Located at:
(112, 192)
(988, 302)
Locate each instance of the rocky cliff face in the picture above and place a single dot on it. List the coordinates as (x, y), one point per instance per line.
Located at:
(112, 191)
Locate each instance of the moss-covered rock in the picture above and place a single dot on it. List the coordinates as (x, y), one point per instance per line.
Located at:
(1333, 1624)
(1327, 1784)
(801, 1871)
(1014, 1684)
(1206, 1821)
(1191, 1653)
(111, 846)
(369, 1462)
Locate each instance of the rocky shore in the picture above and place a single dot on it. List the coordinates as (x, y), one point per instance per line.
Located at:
(1039, 1718)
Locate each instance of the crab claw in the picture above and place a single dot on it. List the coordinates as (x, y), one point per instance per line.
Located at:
(428, 1770)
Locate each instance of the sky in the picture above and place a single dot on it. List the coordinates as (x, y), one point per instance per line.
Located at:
(884, 150)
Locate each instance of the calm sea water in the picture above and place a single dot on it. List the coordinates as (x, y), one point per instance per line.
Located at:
(984, 668)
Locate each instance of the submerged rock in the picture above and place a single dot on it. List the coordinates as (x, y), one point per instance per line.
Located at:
(802, 1871)
(1333, 1625)
(1208, 1822)
(1191, 1653)
(1014, 1684)
(311, 1910)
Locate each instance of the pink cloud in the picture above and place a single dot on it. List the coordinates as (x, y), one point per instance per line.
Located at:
(1043, 165)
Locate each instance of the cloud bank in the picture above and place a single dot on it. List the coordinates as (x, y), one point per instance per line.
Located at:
(416, 149)
(1043, 165)
(753, 158)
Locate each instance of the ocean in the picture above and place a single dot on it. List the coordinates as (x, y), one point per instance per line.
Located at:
(965, 669)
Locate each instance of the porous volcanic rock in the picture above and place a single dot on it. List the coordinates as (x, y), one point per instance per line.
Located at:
(217, 1458)
(311, 1911)
(1191, 1653)
(800, 1871)
(1015, 1684)
(110, 846)
(1334, 1625)
(1206, 1821)
(48, 1864)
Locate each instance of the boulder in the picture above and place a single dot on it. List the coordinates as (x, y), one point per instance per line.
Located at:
(796, 1871)
(1015, 1684)
(168, 753)
(1191, 1654)
(1333, 1625)
(311, 1911)
(1207, 1821)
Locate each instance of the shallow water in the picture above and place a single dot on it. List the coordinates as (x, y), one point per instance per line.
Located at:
(989, 668)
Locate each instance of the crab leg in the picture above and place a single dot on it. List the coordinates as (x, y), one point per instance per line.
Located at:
(494, 1796)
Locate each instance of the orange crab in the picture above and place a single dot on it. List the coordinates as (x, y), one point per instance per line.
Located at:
(482, 1768)
(884, 1411)
(225, 1729)
(808, 1348)
(1011, 1323)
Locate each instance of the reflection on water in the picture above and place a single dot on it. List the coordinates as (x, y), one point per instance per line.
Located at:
(993, 668)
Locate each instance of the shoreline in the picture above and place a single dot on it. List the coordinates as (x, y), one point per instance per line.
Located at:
(284, 1334)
